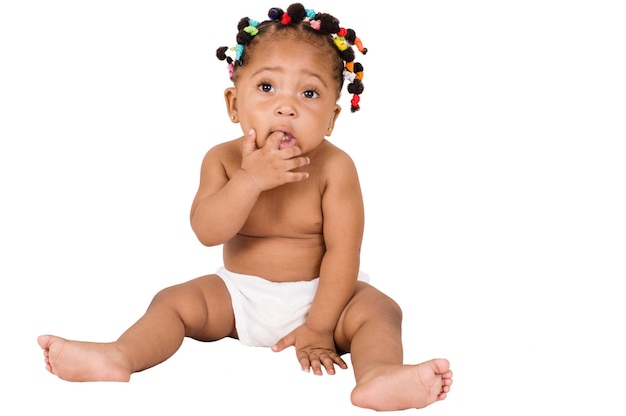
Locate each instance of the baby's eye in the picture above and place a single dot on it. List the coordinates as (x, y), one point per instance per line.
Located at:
(311, 94)
(265, 87)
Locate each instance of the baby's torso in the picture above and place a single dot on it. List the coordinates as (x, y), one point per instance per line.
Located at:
(282, 240)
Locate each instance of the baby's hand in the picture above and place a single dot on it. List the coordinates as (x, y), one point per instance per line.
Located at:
(270, 166)
(313, 349)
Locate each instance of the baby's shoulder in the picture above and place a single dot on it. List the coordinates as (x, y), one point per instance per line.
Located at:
(335, 166)
(231, 147)
(224, 152)
(335, 157)
(222, 159)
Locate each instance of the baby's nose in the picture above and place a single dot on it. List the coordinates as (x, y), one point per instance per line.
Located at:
(286, 109)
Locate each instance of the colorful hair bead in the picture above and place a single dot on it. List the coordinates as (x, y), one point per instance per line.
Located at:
(340, 43)
(354, 103)
(239, 52)
(275, 13)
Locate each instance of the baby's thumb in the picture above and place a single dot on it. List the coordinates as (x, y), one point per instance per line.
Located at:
(284, 342)
(249, 143)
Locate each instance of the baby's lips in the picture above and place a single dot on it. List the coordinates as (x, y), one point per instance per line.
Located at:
(283, 133)
(287, 141)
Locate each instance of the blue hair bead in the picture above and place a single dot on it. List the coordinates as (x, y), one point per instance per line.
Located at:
(238, 51)
(275, 13)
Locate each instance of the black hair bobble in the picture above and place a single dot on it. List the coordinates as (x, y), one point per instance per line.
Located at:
(297, 12)
(221, 52)
(328, 23)
(353, 40)
(355, 87)
(350, 36)
(244, 38)
(347, 55)
(243, 23)
(221, 55)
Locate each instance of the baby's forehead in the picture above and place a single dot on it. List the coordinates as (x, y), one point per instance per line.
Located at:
(307, 46)
(321, 44)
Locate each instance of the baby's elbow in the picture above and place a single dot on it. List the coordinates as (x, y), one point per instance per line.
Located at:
(207, 239)
(209, 234)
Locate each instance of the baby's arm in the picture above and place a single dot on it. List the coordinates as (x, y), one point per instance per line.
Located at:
(222, 204)
(343, 230)
(342, 205)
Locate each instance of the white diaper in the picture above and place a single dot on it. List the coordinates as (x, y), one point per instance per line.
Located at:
(266, 311)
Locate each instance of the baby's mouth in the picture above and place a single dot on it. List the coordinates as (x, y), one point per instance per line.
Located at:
(287, 141)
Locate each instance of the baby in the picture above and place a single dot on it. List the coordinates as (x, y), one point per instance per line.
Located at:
(286, 205)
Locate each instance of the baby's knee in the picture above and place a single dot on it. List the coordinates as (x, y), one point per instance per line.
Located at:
(390, 308)
(379, 304)
(172, 295)
(162, 297)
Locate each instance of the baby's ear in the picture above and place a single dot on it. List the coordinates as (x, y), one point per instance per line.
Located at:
(230, 96)
(333, 118)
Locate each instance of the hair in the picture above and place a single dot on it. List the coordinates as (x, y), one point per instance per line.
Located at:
(319, 29)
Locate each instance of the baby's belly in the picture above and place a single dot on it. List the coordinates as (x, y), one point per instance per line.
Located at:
(280, 259)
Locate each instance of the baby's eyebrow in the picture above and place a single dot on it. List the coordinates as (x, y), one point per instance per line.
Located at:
(281, 70)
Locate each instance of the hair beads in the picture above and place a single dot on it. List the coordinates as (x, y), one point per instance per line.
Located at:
(322, 23)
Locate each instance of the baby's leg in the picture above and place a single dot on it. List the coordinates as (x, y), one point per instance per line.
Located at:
(198, 309)
(370, 328)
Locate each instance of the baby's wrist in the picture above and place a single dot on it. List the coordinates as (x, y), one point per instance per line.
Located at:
(319, 327)
(248, 180)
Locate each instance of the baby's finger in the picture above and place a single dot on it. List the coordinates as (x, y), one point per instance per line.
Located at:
(285, 342)
(338, 360)
(249, 143)
(296, 176)
(273, 140)
(299, 161)
(316, 365)
(291, 151)
(328, 363)
(305, 363)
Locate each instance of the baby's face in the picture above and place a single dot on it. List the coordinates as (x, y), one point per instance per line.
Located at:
(287, 86)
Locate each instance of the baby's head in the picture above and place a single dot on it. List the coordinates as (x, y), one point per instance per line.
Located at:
(301, 25)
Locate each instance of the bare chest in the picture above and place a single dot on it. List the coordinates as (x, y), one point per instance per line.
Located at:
(291, 210)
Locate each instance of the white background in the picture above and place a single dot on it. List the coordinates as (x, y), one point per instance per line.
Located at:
(490, 147)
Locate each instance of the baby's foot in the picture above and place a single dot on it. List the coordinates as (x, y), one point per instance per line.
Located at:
(82, 361)
(404, 386)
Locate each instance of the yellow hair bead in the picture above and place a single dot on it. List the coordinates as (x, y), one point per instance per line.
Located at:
(341, 43)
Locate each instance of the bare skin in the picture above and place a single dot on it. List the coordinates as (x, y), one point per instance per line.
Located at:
(286, 205)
